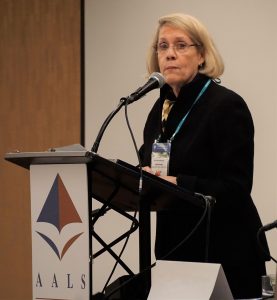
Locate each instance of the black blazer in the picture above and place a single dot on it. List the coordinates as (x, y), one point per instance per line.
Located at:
(211, 154)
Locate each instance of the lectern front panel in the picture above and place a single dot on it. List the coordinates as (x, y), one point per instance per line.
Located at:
(60, 232)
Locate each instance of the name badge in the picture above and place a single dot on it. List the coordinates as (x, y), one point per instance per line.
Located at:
(160, 158)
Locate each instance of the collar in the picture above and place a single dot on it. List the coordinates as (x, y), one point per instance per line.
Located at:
(188, 91)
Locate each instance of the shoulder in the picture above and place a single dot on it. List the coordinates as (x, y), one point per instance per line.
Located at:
(222, 98)
(222, 92)
(227, 107)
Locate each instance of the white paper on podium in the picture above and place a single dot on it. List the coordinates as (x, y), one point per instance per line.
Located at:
(176, 280)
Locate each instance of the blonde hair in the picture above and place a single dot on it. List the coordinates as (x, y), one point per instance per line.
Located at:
(213, 65)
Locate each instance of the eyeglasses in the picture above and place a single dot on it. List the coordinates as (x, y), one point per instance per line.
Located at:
(180, 47)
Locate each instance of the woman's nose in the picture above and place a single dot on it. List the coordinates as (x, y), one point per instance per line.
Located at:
(171, 53)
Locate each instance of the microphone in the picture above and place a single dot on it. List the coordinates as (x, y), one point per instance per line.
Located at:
(156, 80)
(261, 231)
(269, 226)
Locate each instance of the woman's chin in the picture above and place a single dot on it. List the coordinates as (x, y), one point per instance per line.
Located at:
(172, 79)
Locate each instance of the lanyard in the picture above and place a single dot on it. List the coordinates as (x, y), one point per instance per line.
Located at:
(186, 115)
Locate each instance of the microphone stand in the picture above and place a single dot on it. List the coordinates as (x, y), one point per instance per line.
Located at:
(107, 121)
(123, 101)
(155, 80)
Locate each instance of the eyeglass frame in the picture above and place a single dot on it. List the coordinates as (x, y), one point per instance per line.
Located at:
(175, 47)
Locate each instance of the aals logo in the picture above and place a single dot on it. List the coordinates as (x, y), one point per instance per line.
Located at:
(59, 211)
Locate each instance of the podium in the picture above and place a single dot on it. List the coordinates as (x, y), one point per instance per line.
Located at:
(60, 213)
(63, 183)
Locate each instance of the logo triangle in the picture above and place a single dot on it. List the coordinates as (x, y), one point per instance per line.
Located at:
(58, 208)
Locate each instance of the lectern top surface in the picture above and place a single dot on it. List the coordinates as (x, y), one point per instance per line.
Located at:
(68, 154)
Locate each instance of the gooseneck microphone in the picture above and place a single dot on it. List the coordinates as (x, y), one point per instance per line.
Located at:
(261, 231)
(269, 226)
(156, 80)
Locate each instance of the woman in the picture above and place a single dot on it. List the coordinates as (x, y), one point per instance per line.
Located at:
(208, 135)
